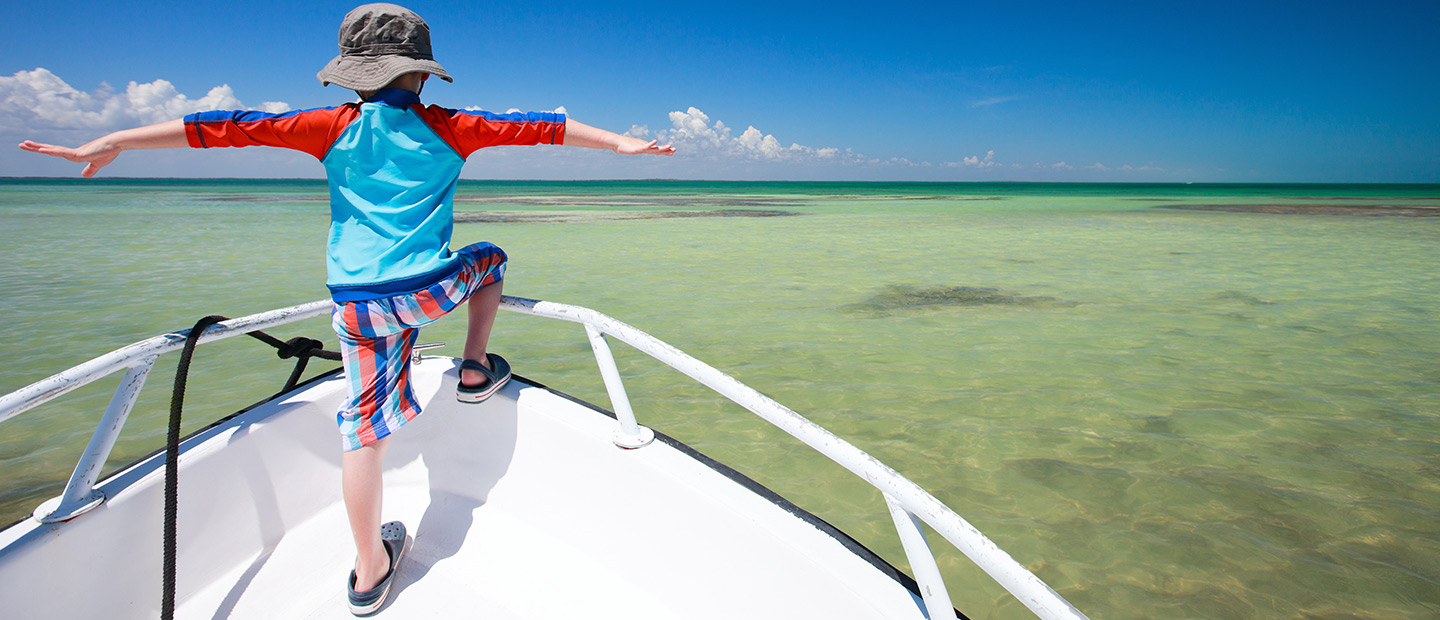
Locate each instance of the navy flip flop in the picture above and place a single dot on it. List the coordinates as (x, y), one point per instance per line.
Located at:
(495, 377)
(366, 603)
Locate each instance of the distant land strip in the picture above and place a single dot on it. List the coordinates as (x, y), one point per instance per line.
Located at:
(1372, 210)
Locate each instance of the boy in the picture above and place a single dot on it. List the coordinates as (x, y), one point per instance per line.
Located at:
(392, 165)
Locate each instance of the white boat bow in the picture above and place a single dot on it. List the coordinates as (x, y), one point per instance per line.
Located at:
(520, 507)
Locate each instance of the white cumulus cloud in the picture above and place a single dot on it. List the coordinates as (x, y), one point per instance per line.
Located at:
(40, 100)
(975, 161)
(693, 132)
(476, 108)
(1148, 166)
(41, 105)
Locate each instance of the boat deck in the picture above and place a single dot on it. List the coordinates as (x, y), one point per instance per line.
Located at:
(520, 507)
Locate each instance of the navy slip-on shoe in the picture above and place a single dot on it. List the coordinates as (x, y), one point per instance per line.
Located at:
(496, 376)
(392, 535)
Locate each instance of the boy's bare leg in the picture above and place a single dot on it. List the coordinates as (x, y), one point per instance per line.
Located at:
(484, 304)
(361, 479)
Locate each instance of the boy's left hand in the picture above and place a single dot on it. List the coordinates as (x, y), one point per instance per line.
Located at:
(635, 146)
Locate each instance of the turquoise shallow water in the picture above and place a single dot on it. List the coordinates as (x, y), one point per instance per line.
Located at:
(1164, 413)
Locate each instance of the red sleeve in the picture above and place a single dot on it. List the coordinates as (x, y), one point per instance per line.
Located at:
(311, 131)
(469, 131)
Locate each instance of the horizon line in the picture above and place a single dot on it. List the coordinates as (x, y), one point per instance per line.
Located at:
(678, 180)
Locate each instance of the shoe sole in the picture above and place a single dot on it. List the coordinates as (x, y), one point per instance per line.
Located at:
(369, 610)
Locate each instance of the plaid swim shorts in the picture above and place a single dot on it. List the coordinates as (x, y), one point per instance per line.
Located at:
(376, 338)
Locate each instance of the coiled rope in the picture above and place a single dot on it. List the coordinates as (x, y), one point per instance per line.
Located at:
(301, 348)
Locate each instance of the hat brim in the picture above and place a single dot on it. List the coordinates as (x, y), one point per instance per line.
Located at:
(374, 72)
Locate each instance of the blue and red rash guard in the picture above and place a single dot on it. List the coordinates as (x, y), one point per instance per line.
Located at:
(393, 165)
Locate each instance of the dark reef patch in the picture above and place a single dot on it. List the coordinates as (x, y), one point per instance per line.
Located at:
(522, 217)
(1373, 210)
(903, 197)
(264, 197)
(1249, 300)
(943, 197)
(1367, 198)
(672, 201)
(899, 298)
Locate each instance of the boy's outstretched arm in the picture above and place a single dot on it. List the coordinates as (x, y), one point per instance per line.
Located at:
(100, 152)
(580, 134)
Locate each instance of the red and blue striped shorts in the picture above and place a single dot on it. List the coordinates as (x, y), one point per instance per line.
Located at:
(376, 339)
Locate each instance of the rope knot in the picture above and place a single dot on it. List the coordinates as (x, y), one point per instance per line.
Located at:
(299, 346)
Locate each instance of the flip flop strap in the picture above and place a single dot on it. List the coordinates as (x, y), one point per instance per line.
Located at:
(477, 367)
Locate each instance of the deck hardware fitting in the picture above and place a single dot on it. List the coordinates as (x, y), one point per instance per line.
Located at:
(415, 350)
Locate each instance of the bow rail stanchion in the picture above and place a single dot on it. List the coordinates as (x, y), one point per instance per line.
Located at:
(909, 505)
(630, 435)
(927, 573)
(80, 495)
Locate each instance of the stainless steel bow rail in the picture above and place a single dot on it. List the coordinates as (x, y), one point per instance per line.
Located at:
(909, 504)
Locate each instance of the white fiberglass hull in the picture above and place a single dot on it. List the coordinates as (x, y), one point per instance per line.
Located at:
(520, 507)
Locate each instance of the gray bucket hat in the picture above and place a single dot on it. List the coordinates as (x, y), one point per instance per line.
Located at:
(378, 43)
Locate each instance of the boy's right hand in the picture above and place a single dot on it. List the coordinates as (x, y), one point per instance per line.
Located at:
(580, 134)
(96, 154)
(100, 152)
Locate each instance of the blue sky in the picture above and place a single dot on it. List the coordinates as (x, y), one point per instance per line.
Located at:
(957, 91)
